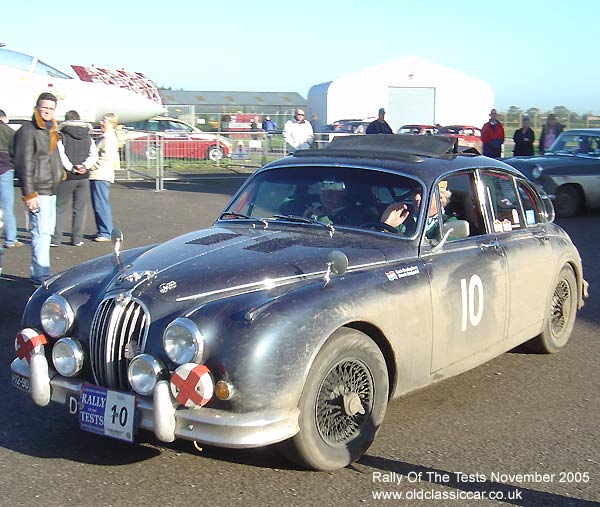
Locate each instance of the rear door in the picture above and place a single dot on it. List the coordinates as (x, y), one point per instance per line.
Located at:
(519, 224)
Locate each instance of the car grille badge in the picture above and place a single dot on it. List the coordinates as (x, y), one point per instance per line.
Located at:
(132, 349)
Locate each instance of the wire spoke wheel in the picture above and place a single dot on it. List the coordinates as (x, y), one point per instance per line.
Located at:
(347, 378)
(561, 309)
(560, 315)
(343, 403)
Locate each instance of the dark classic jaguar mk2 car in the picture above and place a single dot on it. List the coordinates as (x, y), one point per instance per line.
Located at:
(335, 281)
(569, 171)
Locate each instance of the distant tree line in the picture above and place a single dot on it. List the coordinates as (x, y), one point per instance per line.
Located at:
(564, 115)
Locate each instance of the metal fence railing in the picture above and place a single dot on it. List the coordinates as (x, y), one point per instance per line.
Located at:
(171, 155)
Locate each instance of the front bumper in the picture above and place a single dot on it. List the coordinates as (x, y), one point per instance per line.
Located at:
(167, 419)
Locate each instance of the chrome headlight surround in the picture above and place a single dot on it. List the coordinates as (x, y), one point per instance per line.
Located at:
(56, 316)
(183, 342)
(143, 373)
(537, 171)
(67, 357)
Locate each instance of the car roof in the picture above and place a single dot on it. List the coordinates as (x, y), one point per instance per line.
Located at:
(460, 127)
(594, 131)
(417, 125)
(423, 157)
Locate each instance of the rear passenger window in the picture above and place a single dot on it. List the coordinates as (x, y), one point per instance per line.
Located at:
(504, 203)
(531, 206)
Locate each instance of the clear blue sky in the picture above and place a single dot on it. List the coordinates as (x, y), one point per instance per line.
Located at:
(534, 53)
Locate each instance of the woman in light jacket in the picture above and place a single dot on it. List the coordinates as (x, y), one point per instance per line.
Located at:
(103, 174)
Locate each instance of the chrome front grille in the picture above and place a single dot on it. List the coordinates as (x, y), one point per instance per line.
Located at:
(117, 335)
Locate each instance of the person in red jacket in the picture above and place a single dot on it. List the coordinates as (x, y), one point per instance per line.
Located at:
(492, 136)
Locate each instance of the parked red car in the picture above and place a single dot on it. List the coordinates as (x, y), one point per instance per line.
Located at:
(417, 129)
(176, 138)
(467, 135)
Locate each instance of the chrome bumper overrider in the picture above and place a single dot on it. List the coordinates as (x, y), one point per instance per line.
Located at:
(167, 419)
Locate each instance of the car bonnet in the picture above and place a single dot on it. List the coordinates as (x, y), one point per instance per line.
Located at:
(226, 261)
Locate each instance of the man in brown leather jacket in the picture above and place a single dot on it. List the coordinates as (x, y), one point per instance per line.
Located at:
(39, 169)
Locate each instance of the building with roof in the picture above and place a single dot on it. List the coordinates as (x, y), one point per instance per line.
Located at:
(411, 90)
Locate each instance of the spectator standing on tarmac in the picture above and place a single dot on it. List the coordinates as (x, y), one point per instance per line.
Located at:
(524, 138)
(39, 169)
(379, 126)
(269, 128)
(78, 154)
(550, 132)
(7, 190)
(254, 127)
(492, 136)
(298, 133)
(103, 174)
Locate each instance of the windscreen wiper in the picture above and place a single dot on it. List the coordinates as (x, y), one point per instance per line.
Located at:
(232, 214)
(304, 220)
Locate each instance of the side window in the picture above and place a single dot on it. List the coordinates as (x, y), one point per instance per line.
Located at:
(531, 206)
(459, 201)
(504, 202)
(152, 126)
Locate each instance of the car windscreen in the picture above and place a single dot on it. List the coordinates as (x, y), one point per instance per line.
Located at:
(576, 144)
(339, 196)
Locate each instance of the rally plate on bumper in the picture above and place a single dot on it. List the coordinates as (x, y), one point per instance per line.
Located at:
(107, 412)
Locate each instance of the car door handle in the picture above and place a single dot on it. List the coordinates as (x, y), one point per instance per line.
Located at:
(492, 245)
(489, 246)
(543, 237)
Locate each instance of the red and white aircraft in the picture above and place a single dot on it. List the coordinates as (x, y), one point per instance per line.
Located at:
(24, 77)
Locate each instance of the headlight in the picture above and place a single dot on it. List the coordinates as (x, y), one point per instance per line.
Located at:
(536, 172)
(183, 342)
(143, 373)
(67, 357)
(57, 316)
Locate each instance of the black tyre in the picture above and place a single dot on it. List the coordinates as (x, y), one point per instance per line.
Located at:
(215, 153)
(560, 316)
(349, 376)
(568, 201)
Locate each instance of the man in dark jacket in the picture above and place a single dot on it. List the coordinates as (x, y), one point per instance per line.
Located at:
(7, 188)
(39, 169)
(379, 126)
(78, 154)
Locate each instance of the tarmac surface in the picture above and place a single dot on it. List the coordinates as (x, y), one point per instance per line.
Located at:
(519, 416)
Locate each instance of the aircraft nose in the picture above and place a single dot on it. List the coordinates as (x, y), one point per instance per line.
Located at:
(130, 106)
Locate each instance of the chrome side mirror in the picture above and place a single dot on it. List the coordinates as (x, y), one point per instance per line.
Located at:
(458, 229)
(337, 263)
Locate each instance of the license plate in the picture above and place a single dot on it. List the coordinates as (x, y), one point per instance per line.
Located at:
(20, 382)
(107, 412)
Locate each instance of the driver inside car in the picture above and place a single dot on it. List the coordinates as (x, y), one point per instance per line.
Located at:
(332, 202)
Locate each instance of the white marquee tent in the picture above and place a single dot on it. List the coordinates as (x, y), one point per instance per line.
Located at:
(412, 91)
